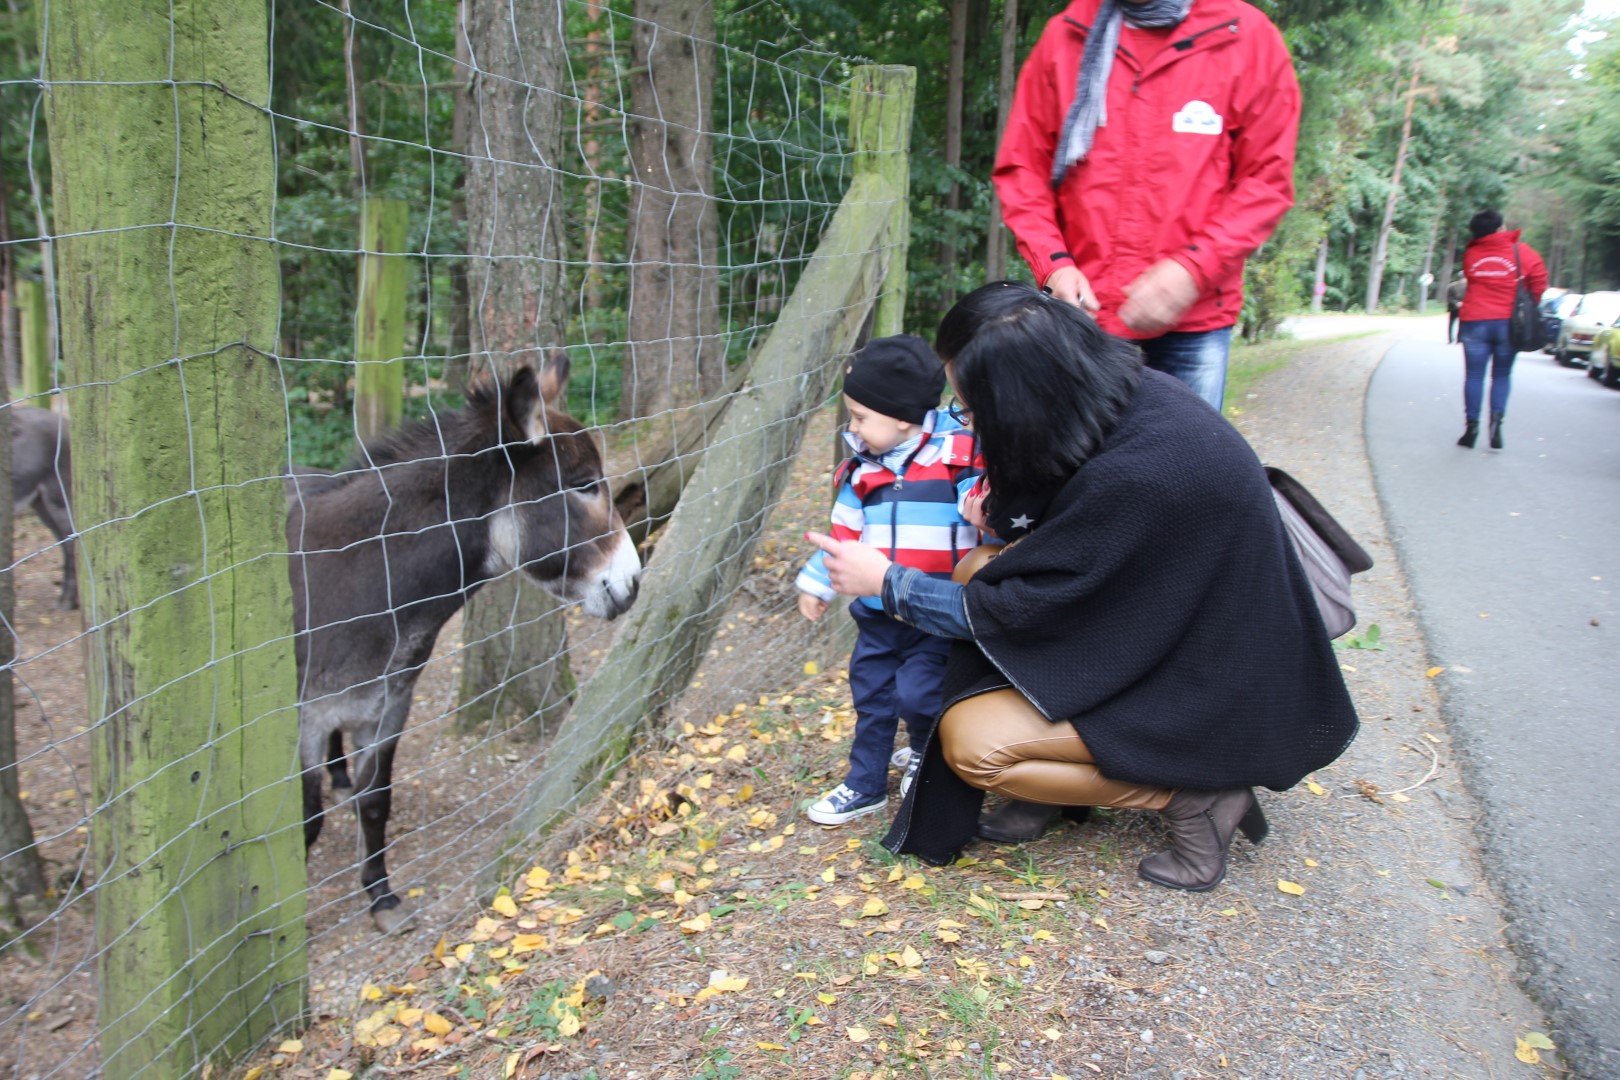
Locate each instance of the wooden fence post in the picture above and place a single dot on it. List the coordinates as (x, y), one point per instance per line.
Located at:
(36, 358)
(379, 318)
(880, 134)
(165, 179)
(708, 542)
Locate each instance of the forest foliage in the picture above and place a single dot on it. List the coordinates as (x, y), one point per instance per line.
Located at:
(1512, 103)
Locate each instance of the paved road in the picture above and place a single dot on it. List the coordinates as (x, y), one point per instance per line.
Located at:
(1514, 561)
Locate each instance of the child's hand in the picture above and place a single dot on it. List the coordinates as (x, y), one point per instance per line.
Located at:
(811, 607)
(973, 506)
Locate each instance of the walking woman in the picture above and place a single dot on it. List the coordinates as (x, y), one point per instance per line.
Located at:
(1493, 265)
(1147, 640)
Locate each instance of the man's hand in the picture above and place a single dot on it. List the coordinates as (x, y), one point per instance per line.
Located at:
(1157, 299)
(855, 569)
(1068, 284)
(812, 607)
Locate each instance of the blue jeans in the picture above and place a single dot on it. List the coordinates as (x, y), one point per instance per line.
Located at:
(1485, 341)
(895, 673)
(1197, 358)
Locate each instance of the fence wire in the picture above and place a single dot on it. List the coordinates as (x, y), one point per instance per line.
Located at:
(435, 106)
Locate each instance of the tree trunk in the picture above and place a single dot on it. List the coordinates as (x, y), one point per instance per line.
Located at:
(179, 444)
(1319, 286)
(995, 250)
(379, 320)
(357, 117)
(514, 667)
(953, 132)
(455, 373)
(1427, 277)
(1448, 258)
(675, 358)
(1380, 252)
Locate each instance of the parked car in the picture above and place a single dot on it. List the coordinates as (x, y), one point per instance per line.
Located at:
(1602, 363)
(1556, 304)
(1597, 311)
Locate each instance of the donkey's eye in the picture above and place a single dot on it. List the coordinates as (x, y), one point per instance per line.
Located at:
(587, 486)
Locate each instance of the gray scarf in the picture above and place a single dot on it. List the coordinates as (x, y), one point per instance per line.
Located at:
(1090, 109)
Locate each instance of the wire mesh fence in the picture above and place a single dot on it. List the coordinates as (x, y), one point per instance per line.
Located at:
(416, 383)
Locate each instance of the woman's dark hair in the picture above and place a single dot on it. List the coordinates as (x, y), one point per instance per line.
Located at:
(1044, 383)
(1484, 223)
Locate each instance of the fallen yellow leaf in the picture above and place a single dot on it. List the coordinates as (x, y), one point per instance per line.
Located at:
(291, 1046)
(874, 907)
(890, 1021)
(1538, 1041)
(436, 1024)
(857, 1034)
(1290, 888)
(766, 1045)
(827, 999)
(909, 958)
(949, 935)
(1314, 788)
(1052, 1033)
(1311, 862)
(812, 668)
(339, 1074)
(697, 925)
(829, 875)
(505, 905)
(1396, 796)
(1432, 672)
(915, 881)
(1525, 1052)
(896, 872)
(726, 983)
(253, 1073)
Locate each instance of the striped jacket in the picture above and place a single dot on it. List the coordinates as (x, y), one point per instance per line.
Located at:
(913, 517)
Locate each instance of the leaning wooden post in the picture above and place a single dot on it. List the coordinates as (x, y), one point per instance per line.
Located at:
(164, 178)
(379, 319)
(36, 356)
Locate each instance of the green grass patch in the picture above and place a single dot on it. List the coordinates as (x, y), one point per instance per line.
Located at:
(1249, 363)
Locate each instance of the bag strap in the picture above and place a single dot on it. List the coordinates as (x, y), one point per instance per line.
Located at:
(1352, 554)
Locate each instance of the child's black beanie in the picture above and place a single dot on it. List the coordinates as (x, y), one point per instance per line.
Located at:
(897, 376)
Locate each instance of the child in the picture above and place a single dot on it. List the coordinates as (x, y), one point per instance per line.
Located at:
(900, 492)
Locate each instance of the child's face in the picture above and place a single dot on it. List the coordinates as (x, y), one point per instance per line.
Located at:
(880, 433)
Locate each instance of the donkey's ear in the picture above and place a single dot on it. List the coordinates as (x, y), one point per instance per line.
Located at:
(554, 377)
(524, 406)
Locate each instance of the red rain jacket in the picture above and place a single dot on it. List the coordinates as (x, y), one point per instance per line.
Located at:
(1195, 162)
(1493, 278)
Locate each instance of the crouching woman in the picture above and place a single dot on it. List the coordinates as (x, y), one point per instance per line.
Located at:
(1147, 640)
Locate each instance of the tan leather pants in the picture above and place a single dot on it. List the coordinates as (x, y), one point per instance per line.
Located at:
(1001, 743)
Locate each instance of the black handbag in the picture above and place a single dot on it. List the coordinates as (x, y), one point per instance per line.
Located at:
(1525, 330)
(1327, 552)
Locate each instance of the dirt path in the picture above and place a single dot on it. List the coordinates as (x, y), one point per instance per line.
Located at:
(699, 927)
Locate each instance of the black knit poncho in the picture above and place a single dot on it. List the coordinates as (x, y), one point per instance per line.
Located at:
(1158, 607)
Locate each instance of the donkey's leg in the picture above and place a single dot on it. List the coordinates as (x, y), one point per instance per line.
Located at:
(374, 802)
(337, 766)
(50, 505)
(309, 760)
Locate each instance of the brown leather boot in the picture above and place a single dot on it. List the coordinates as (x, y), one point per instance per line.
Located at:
(1016, 822)
(1201, 827)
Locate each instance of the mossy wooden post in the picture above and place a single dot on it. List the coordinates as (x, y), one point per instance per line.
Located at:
(880, 134)
(880, 107)
(707, 546)
(379, 319)
(36, 357)
(164, 180)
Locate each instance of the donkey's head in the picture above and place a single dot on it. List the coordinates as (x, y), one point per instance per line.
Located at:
(554, 517)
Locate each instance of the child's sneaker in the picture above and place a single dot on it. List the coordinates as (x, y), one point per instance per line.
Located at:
(913, 767)
(901, 758)
(841, 804)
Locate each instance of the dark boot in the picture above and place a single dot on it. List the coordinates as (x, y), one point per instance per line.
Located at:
(1496, 431)
(1470, 434)
(1016, 822)
(1201, 827)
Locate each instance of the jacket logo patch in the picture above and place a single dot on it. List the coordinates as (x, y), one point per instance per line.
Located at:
(1197, 118)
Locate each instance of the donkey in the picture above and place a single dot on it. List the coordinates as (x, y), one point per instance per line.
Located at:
(386, 552)
(41, 476)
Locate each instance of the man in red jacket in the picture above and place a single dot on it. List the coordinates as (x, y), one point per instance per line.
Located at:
(1148, 153)
(1493, 264)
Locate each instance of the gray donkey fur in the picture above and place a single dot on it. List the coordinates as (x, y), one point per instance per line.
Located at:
(41, 477)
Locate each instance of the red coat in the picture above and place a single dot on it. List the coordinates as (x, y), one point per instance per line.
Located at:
(1493, 278)
(1195, 162)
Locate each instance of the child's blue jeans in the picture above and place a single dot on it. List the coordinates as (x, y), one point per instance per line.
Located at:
(895, 673)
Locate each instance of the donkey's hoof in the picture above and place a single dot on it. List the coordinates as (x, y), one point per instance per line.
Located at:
(392, 920)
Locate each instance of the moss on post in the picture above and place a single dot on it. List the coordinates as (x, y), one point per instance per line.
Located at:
(379, 318)
(36, 357)
(880, 110)
(164, 181)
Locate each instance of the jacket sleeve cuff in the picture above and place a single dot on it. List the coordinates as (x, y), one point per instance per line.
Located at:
(1200, 261)
(807, 582)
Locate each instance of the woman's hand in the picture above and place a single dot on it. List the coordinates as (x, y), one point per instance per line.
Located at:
(855, 569)
(973, 507)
